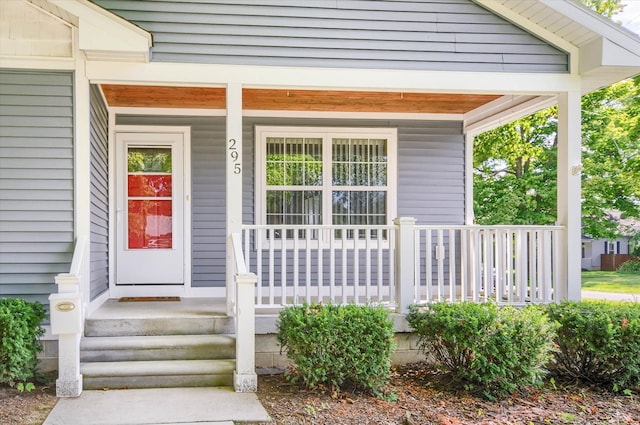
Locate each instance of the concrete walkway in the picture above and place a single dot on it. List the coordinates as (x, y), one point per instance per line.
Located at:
(609, 296)
(159, 406)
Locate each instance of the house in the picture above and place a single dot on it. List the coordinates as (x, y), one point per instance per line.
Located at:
(266, 153)
(616, 251)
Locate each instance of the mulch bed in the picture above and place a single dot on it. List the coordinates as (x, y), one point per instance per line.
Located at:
(424, 397)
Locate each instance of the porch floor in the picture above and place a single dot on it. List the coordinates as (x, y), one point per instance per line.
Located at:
(185, 308)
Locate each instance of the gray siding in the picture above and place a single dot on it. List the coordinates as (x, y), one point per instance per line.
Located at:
(208, 193)
(99, 121)
(36, 181)
(410, 34)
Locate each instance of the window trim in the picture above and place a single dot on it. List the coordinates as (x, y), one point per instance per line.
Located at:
(326, 133)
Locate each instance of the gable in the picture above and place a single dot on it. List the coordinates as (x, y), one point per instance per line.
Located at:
(376, 34)
(28, 31)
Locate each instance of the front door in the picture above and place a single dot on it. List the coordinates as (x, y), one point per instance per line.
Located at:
(150, 211)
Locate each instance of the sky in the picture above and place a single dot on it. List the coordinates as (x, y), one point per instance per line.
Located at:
(630, 18)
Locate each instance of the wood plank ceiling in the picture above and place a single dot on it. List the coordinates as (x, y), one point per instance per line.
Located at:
(293, 100)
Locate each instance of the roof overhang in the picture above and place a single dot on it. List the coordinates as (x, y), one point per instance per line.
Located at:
(602, 52)
(102, 35)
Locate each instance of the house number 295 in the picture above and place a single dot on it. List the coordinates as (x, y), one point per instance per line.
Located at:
(235, 156)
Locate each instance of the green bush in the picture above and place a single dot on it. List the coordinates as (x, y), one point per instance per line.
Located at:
(631, 266)
(19, 339)
(496, 351)
(338, 345)
(598, 341)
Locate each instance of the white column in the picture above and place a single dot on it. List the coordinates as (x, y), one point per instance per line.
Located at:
(82, 165)
(234, 181)
(569, 194)
(469, 215)
(405, 263)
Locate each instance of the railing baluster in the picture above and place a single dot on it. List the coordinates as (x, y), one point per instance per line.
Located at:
(258, 236)
(283, 267)
(321, 262)
(429, 266)
(440, 260)
(344, 266)
(271, 266)
(307, 238)
(464, 264)
(391, 237)
(296, 265)
(452, 265)
(356, 267)
(380, 266)
(367, 267)
(332, 267)
(499, 266)
(417, 295)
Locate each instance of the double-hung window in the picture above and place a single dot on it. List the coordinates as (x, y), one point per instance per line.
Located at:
(325, 176)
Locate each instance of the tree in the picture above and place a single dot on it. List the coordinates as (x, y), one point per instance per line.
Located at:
(515, 165)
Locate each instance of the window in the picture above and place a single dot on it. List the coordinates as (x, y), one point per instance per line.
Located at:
(325, 176)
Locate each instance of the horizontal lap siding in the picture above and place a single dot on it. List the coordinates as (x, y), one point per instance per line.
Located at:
(36, 181)
(411, 34)
(99, 122)
(208, 193)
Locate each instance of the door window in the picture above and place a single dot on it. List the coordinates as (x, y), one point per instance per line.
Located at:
(149, 198)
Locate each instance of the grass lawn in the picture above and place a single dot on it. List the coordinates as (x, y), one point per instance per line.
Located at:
(626, 283)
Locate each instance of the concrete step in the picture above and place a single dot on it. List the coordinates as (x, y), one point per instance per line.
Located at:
(159, 326)
(157, 374)
(161, 347)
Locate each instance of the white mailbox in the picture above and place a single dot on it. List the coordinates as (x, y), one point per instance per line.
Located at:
(66, 313)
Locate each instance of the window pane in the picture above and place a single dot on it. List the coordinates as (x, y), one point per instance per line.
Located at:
(294, 161)
(149, 185)
(294, 207)
(359, 162)
(149, 224)
(359, 207)
(149, 160)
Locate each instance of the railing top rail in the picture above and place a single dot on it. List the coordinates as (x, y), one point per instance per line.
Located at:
(78, 255)
(240, 265)
(317, 227)
(489, 227)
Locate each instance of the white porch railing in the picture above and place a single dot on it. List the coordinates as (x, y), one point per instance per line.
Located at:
(340, 264)
(506, 264)
(402, 264)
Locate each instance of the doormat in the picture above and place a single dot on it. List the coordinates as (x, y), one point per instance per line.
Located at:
(143, 299)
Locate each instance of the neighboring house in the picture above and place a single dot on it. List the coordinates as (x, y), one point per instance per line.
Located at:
(157, 148)
(593, 249)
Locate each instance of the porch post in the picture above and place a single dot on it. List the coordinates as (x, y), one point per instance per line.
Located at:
(469, 215)
(234, 181)
(569, 195)
(405, 263)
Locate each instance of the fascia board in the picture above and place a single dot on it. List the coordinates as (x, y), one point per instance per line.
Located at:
(596, 23)
(105, 35)
(535, 29)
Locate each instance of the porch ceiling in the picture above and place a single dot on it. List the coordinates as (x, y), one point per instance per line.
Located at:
(294, 100)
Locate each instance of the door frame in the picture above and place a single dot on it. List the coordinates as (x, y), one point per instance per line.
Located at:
(116, 291)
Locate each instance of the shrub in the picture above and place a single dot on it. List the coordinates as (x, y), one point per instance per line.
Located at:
(19, 344)
(338, 345)
(630, 266)
(497, 351)
(598, 341)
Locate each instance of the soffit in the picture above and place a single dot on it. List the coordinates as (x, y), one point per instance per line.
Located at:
(294, 100)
